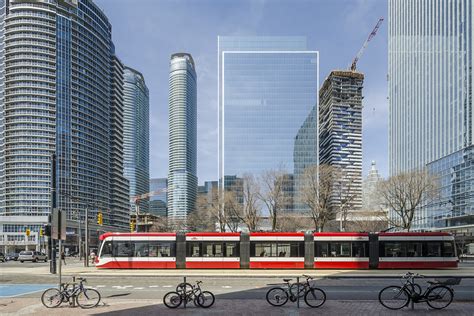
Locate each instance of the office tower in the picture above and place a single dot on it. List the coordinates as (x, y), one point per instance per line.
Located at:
(305, 154)
(370, 200)
(430, 104)
(182, 178)
(267, 89)
(340, 135)
(119, 185)
(56, 88)
(136, 136)
(158, 201)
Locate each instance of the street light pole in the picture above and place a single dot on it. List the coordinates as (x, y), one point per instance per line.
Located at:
(79, 235)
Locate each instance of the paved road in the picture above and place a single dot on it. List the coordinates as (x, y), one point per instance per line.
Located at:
(226, 288)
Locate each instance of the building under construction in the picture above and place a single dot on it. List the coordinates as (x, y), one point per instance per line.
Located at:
(340, 136)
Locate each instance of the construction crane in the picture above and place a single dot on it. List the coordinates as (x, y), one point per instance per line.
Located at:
(136, 200)
(361, 51)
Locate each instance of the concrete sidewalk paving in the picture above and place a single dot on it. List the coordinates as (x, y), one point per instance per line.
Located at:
(78, 270)
(31, 306)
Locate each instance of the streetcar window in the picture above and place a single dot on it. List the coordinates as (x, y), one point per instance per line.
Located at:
(218, 250)
(122, 248)
(283, 249)
(414, 249)
(433, 249)
(394, 249)
(193, 250)
(358, 249)
(448, 249)
(340, 249)
(141, 249)
(161, 249)
(232, 249)
(321, 249)
(106, 250)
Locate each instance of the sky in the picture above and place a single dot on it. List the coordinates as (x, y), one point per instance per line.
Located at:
(147, 32)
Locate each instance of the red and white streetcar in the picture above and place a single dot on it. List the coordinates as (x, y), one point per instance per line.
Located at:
(276, 250)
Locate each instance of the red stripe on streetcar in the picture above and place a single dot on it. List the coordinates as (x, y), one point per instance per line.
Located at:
(212, 234)
(277, 234)
(212, 265)
(276, 265)
(415, 234)
(342, 265)
(417, 265)
(343, 234)
(105, 235)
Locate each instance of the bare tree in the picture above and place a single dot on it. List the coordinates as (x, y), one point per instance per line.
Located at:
(232, 210)
(202, 218)
(250, 214)
(317, 192)
(160, 224)
(273, 194)
(343, 195)
(404, 193)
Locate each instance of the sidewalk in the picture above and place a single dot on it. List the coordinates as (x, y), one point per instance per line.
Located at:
(76, 268)
(30, 306)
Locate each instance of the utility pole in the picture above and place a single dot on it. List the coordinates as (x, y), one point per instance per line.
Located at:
(52, 266)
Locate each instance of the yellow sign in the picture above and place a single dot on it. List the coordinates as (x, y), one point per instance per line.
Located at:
(28, 232)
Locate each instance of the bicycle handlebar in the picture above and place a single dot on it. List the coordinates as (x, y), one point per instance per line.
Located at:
(307, 277)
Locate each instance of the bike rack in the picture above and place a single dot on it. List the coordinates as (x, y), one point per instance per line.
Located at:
(185, 296)
(297, 292)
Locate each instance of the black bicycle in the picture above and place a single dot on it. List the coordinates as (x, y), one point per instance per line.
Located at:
(188, 292)
(71, 292)
(313, 296)
(438, 295)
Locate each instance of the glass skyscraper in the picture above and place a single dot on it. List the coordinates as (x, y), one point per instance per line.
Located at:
(267, 90)
(182, 178)
(58, 90)
(159, 202)
(136, 135)
(430, 101)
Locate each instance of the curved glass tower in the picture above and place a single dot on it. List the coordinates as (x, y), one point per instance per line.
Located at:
(58, 76)
(182, 179)
(136, 134)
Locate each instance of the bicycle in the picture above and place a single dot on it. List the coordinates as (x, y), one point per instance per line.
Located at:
(438, 295)
(314, 297)
(187, 292)
(84, 297)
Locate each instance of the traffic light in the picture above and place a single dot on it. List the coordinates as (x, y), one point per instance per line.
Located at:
(41, 232)
(132, 226)
(28, 232)
(47, 230)
(100, 219)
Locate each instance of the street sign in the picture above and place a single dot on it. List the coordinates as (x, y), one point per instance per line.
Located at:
(58, 224)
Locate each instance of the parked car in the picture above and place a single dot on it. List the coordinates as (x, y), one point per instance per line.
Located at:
(2, 257)
(12, 256)
(33, 256)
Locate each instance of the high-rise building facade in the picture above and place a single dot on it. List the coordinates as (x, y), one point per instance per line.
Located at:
(159, 201)
(57, 81)
(340, 135)
(182, 177)
(370, 200)
(136, 135)
(430, 77)
(267, 88)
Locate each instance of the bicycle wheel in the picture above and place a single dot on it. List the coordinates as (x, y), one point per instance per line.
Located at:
(172, 299)
(394, 297)
(205, 299)
(88, 298)
(315, 297)
(277, 296)
(184, 286)
(51, 298)
(439, 297)
(294, 289)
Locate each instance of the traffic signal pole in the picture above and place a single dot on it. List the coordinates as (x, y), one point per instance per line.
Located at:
(52, 264)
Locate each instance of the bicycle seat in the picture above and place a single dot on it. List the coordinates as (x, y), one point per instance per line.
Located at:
(287, 280)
